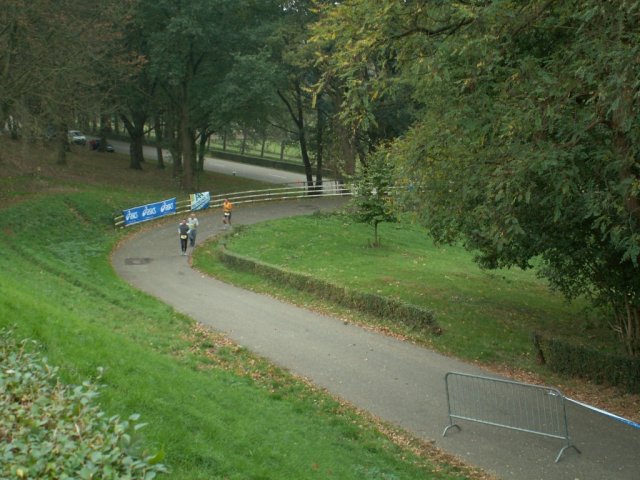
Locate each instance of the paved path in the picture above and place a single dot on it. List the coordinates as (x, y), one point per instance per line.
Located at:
(396, 381)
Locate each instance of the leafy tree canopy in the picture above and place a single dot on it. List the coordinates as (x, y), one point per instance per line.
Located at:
(527, 143)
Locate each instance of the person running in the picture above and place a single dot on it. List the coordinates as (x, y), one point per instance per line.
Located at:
(193, 224)
(227, 206)
(183, 231)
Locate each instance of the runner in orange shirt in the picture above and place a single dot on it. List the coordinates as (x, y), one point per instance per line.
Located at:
(227, 206)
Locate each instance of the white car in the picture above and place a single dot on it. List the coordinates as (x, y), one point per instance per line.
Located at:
(77, 137)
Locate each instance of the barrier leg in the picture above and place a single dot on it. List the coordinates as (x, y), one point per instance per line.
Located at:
(562, 450)
(449, 426)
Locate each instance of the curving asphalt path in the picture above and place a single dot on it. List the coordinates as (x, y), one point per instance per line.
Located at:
(398, 382)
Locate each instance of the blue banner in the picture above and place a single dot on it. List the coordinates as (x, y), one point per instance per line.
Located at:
(149, 212)
(200, 201)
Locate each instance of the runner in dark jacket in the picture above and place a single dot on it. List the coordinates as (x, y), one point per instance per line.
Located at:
(183, 231)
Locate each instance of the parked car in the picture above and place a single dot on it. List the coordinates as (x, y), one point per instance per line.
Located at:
(77, 137)
(95, 145)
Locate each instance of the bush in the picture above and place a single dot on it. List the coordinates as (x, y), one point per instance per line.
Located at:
(589, 363)
(53, 431)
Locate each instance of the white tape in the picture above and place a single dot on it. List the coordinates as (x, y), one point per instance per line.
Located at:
(604, 412)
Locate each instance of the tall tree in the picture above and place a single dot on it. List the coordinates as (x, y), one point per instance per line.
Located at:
(135, 87)
(294, 60)
(527, 143)
(52, 62)
(182, 38)
(357, 60)
(193, 47)
(247, 95)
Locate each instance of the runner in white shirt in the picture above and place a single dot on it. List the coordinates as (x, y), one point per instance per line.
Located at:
(193, 223)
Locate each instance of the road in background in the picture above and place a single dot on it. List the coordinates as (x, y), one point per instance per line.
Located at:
(225, 167)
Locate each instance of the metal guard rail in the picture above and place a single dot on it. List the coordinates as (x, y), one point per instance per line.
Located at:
(291, 192)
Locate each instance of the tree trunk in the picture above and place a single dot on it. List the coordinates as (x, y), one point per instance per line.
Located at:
(63, 144)
(14, 130)
(243, 147)
(298, 118)
(173, 139)
(302, 138)
(629, 314)
(136, 152)
(61, 157)
(102, 142)
(187, 148)
(202, 149)
(320, 123)
(345, 145)
(105, 128)
(135, 128)
(628, 327)
(157, 127)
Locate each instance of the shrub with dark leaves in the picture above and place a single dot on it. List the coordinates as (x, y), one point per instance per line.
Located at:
(53, 431)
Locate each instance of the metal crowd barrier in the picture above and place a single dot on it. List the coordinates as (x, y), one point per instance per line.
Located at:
(508, 404)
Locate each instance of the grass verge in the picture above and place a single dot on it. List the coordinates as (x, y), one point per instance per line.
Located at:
(216, 410)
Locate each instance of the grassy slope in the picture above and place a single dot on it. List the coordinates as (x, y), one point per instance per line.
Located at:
(217, 411)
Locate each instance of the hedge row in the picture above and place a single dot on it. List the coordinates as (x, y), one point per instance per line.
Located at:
(412, 316)
(52, 431)
(585, 362)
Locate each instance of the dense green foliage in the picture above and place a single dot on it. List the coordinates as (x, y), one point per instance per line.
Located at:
(52, 431)
(525, 143)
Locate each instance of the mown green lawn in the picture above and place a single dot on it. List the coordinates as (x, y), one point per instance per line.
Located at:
(217, 411)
